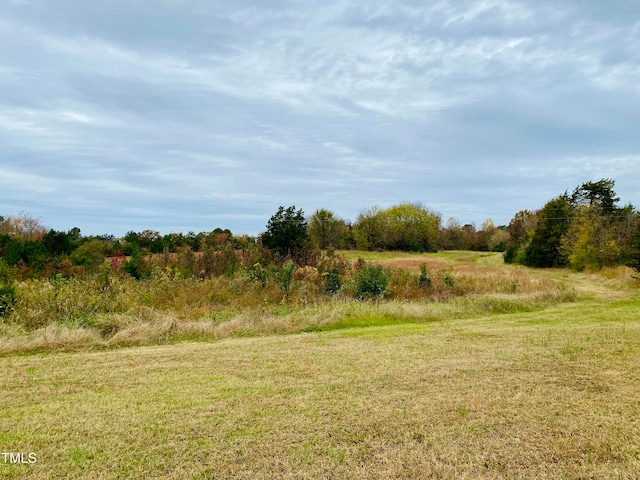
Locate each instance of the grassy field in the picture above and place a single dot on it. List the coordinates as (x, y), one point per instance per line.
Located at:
(504, 385)
(106, 309)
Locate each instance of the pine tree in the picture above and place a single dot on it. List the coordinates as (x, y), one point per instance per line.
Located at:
(545, 250)
(286, 232)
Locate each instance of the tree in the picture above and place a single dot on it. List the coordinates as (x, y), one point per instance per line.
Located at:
(600, 230)
(523, 223)
(406, 226)
(634, 249)
(590, 240)
(489, 226)
(150, 240)
(453, 237)
(498, 240)
(346, 242)
(286, 232)
(57, 243)
(74, 235)
(599, 193)
(218, 238)
(90, 254)
(545, 250)
(481, 237)
(325, 229)
(367, 230)
(35, 254)
(11, 249)
(23, 226)
(410, 226)
(131, 245)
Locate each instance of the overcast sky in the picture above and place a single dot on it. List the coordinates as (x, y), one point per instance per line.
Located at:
(180, 115)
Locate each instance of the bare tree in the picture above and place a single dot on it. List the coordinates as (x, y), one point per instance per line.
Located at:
(24, 226)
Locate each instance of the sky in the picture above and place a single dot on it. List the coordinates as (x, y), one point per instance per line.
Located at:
(187, 115)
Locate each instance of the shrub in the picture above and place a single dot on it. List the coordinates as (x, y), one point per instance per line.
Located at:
(257, 273)
(510, 255)
(7, 300)
(371, 281)
(7, 272)
(90, 255)
(425, 278)
(333, 268)
(333, 282)
(137, 267)
(448, 280)
(286, 275)
(403, 284)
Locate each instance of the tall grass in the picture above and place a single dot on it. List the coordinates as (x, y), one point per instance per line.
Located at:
(108, 308)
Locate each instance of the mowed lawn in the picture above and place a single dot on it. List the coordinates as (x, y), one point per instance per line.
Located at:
(546, 394)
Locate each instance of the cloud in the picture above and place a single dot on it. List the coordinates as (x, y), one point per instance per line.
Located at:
(188, 115)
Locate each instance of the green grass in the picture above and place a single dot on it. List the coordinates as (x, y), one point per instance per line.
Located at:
(368, 321)
(451, 256)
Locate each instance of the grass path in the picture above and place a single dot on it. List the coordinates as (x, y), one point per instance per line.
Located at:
(608, 285)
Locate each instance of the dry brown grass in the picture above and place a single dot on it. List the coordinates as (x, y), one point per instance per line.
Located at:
(81, 313)
(509, 375)
(542, 395)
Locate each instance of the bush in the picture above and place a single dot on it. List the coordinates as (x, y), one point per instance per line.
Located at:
(7, 300)
(137, 267)
(216, 262)
(448, 280)
(90, 255)
(257, 273)
(510, 255)
(371, 281)
(333, 268)
(425, 278)
(286, 275)
(333, 282)
(7, 272)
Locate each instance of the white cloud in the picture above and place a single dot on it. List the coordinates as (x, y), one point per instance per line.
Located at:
(193, 109)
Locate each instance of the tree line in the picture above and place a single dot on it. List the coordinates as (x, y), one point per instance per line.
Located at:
(28, 249)
(584, 229)
(404, 227)
(34, 250)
